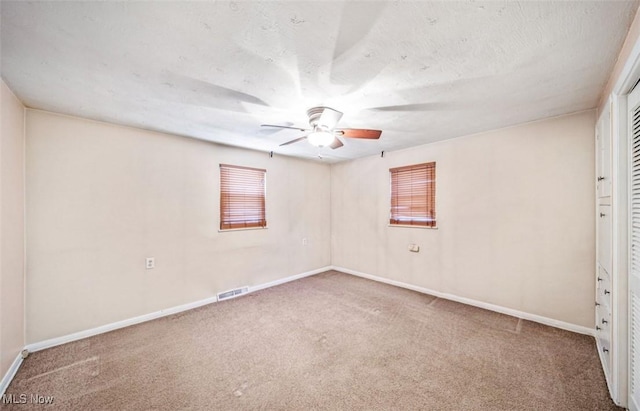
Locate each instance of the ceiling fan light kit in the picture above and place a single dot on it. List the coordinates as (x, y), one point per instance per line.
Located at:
(320, 138)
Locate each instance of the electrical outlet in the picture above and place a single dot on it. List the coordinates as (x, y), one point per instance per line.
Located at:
(150, 263)
(414, 248)
(305, 242)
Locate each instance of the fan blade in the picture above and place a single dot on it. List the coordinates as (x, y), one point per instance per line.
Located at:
(329, 118)
(293, 141)
(292, 128)
(420, 107)
(336, 143)
(359, 133)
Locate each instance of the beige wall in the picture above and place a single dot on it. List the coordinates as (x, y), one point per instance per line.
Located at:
(11, 227)
(514, 207)
(101, 198)
(515, 218)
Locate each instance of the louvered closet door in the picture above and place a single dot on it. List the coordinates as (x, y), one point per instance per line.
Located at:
(634, 272)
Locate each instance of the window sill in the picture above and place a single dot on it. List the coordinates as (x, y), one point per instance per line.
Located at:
(241, 229)
(412, 226)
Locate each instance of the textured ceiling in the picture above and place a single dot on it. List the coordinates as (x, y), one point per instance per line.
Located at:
(419, 71)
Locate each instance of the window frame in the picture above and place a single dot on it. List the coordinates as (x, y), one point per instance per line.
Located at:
(226, 224)
(429, 219)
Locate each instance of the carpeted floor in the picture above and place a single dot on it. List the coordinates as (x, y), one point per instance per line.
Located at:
(331, 341)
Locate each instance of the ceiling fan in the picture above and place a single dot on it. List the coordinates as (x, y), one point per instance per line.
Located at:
(323, 133)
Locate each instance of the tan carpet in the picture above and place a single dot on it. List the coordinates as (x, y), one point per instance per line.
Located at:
(331, 341)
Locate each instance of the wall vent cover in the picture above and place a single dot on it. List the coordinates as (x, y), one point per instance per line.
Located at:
(232, 293)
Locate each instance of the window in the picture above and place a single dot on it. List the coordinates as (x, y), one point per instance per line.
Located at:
(413, 195)
(242, 197)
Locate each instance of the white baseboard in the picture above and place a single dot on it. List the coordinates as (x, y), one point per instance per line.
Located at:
(288, 279)
(11, 372)
(487, 306)
(42, 345)
(158, 314)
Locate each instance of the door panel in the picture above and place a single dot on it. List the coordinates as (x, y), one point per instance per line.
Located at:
(633, 105)
(604, 237)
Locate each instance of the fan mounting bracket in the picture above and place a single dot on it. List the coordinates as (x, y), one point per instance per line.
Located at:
(314, 114)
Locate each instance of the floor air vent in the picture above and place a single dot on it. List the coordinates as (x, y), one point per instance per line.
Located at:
(232, 293)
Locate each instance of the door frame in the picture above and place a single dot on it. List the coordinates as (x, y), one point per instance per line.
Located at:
(621, 196)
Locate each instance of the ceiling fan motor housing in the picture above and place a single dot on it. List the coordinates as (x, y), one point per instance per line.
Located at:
(314, 114)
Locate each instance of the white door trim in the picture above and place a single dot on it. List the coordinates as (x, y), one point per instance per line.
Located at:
(626, 80)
